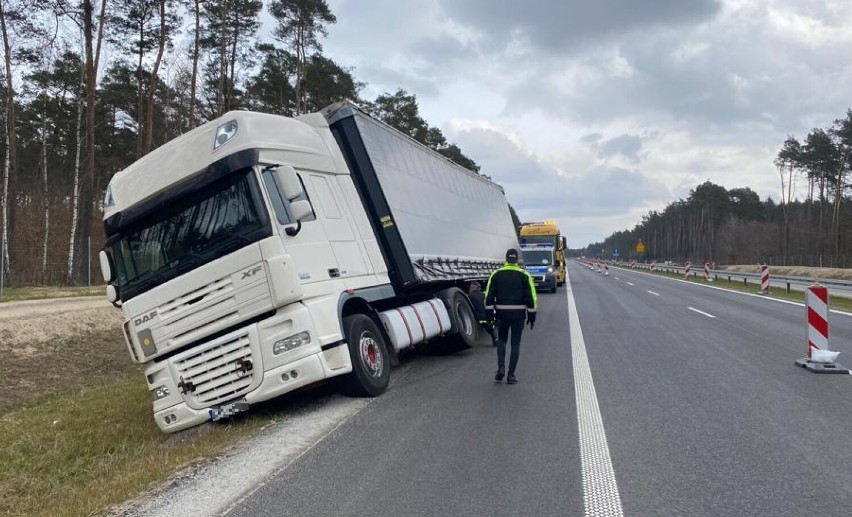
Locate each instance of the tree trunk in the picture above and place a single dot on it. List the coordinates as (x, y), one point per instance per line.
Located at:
(194, 84)
(223, 67)
(87, 183)
(149, 119)
(75, 193)
(45, 192)
(10, 161)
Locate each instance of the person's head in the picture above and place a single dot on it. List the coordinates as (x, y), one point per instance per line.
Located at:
(512, 256)
(474, 287)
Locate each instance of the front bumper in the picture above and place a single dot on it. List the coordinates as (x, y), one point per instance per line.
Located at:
(276, 382)
(545, 281)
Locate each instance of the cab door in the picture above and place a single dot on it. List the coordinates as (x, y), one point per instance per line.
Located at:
(310, 250)
(347, 252)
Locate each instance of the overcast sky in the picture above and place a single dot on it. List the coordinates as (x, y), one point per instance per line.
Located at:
(594, 112)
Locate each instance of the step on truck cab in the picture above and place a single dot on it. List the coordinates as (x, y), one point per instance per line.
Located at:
(257, 254)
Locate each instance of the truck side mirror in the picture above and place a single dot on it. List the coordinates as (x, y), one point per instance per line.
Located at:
(107, 268)
(288, 182)
(300, 210)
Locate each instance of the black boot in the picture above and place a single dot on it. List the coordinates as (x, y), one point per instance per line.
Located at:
(499, 375)
(511, 379)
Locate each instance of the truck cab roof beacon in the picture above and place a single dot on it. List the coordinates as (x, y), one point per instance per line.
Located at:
(257, 253)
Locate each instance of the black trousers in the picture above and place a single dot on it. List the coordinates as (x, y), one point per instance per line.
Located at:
(505, 323)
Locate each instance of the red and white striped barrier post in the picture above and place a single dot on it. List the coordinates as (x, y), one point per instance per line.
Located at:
(707, 272)
(653, 265)
(816, 301)
(607, 269)
(764, 279)
(819, 359)
(687, 270)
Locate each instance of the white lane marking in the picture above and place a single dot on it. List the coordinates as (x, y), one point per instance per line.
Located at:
(618, 279)
(655, 294)
(769, 298)
(600, 490)
(701, 312)
(629, 283)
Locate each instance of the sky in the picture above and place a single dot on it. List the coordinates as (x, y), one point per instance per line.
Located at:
(594, 113)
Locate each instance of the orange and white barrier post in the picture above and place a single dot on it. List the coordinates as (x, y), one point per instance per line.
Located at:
(687, 270)
(764, 279)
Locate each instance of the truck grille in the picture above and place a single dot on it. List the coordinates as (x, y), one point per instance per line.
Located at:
(216, 371)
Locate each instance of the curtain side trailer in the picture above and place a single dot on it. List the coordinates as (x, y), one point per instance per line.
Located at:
(258, 254)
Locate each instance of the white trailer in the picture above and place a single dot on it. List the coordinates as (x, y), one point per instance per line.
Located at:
(257, 254)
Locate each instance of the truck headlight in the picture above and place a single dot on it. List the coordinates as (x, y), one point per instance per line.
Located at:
(160, 392)
(289, 343)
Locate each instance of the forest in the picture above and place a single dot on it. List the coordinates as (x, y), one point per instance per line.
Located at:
(809, 225)
(89, 87)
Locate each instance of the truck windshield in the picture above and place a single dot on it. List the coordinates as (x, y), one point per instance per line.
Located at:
(208, 224)
(538, 257)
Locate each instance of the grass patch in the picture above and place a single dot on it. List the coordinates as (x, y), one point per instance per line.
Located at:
(80, 453)
(38, 369)
(16, 294)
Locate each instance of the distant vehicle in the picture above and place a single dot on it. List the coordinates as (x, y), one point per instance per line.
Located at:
(539, 262)
(258, 254)
(547, 232)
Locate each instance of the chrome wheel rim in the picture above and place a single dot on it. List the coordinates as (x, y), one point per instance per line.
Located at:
(371, 355)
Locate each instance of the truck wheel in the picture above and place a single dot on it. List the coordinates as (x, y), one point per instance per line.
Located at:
(369, 354)
(464, 321)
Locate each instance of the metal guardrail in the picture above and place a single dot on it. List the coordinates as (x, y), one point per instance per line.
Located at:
(797, 283)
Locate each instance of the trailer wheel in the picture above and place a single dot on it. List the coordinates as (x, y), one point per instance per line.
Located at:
(370, 359)
(464, 321)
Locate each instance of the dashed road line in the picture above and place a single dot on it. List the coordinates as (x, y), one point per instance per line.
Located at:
(701, 312)
(655, 294)
(630, 283)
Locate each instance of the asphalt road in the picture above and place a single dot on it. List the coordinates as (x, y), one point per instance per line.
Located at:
(707, 416)
(448, 440)
(689, 405)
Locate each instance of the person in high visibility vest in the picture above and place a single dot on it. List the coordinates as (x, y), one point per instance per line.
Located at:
(510, 295)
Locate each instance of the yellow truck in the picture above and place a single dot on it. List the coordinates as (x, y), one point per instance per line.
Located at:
(546, 232)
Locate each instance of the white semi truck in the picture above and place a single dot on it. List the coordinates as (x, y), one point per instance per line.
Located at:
(258, 254)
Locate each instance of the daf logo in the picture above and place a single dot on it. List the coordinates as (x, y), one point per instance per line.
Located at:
(144, 319)
(250, 272)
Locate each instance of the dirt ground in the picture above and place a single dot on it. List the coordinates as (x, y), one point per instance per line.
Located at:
(51, 346)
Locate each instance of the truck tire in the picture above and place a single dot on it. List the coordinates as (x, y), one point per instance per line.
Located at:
(369, 354)
(464, 321)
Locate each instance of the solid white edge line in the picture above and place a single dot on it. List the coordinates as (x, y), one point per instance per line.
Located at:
(701, 312)
(655, 294)
(600, 490)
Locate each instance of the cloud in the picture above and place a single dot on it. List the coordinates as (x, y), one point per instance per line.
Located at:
(563, 26)
(539, 190)
(625, 145)
(594, 113)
